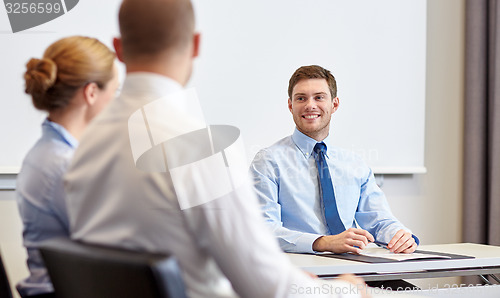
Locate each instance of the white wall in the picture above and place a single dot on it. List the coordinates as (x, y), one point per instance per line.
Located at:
(430, 204)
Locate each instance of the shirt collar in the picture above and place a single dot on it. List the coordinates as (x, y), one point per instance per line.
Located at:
(151, 84)
(306, 144)
(60, 132)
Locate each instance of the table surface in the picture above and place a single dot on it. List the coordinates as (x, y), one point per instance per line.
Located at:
(486, 261)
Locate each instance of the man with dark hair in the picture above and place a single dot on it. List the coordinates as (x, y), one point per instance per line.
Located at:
(315, 197)
(123, 188)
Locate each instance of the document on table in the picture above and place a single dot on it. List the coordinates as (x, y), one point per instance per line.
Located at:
(379, 252)
(375, 254)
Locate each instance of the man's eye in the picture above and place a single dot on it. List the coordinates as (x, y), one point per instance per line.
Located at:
(320, 97)
(300, 98)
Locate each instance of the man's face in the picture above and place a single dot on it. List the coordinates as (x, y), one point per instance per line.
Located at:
(312, 107)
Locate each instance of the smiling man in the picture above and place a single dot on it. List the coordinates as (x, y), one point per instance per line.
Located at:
(316, 197)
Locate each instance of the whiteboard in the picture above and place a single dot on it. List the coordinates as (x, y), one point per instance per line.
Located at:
(375, 49)
(20, 122)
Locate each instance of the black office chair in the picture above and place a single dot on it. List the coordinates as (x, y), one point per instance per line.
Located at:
(4, 281)
(80, 270)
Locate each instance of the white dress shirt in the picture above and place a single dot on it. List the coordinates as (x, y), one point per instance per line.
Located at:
(223, 246)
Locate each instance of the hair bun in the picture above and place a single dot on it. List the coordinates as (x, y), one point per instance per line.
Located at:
(40, 75)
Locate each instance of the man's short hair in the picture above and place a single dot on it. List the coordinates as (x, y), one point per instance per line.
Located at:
(152, 27)
(313, 72)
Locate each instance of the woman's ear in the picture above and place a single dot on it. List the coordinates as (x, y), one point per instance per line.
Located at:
(90, 93)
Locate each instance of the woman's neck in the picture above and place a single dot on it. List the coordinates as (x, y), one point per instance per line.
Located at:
(72, 118)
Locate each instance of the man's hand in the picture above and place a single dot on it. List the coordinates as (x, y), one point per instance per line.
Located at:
(352, 240)
(402, 242)
(357, 281)
(310, 274)
(360, 284)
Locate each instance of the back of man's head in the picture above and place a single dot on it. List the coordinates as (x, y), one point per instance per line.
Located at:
(155, 27)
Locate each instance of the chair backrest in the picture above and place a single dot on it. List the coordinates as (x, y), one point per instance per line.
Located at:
(4, 281)
(85, 270)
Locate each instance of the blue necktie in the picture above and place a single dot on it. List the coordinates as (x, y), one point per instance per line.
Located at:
(332, 217)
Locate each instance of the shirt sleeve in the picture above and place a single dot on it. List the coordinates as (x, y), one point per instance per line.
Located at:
(265, 178)
(374, 214)
(231, 230)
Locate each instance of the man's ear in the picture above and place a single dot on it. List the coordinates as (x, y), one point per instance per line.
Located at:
(335, 104)
(90, 93)
(290, 105)
(117, 44)
(196, 44)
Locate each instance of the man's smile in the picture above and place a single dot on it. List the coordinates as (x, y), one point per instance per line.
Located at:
(314, 116)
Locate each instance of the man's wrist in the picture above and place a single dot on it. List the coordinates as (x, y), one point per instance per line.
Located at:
(304, 243)
(318, 244)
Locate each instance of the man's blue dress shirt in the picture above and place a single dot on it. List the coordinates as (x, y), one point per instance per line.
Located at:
(287, 184)
(40, 198)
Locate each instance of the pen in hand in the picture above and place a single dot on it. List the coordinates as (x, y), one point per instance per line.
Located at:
(378, 243)
(381, 244)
